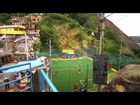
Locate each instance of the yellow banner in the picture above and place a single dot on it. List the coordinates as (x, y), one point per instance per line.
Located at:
(67, 51)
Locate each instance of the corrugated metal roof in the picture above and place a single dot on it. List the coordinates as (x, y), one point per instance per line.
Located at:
(34, 63)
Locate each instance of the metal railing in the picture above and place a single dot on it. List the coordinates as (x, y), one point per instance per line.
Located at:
(51, 85)
(12, 81)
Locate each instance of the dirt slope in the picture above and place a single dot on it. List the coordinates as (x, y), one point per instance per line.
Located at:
(130, 44)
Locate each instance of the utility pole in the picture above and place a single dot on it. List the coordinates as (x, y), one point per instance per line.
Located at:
(50, 57)
(6, 43)
(102, 33)
(102, 20)
(26, 44)
(50, 74)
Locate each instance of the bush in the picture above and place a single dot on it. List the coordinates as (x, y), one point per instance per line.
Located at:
(1, 44)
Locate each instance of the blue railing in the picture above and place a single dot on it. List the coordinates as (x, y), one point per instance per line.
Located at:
(42, 74)
(51, 85)
(13, 66)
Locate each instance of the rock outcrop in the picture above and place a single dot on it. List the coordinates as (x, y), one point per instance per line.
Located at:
(126, 79)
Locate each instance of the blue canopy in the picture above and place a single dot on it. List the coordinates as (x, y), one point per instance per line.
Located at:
(34, 63)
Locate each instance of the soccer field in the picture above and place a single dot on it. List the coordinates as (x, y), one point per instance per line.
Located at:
(68, 74)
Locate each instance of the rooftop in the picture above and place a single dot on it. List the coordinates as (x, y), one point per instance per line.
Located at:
(12, 26)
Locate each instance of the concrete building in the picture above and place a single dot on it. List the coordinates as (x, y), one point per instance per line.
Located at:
(12, 30)
(13, 37)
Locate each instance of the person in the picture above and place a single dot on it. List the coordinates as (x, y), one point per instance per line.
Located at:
(85, 80)
(7, 85)
(79, 69)
(109, 66)
(18, 82)
(47, 70)
(27, 72)
(75, 90)
(84, 89)
(75, 86)
(15, 77)
(80, 89)
(56, 72)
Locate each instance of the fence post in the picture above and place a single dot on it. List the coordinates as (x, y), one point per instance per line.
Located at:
(87, 77)
(42, 82)
(69, 78)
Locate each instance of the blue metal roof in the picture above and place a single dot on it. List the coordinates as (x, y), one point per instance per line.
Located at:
(34, 63)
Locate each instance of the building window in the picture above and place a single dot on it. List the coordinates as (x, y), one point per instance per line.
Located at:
(33, 19)
(15, 29)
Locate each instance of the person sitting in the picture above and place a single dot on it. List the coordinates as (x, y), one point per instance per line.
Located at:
(18, 82)
(28, 73)
(24, 80)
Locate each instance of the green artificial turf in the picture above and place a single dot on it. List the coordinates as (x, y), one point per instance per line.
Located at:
(68, 74)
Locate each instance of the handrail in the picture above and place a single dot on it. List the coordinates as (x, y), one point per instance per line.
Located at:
(13, 66)
(51, 85)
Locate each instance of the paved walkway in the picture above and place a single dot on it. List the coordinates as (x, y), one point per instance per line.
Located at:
(10, 76)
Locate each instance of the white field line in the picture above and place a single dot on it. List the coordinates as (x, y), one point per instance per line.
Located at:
(71, 80)
(68, 61)
(67, 69)
(81, 83)
(83, 80)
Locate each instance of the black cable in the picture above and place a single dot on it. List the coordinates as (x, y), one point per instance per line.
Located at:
(122, 18)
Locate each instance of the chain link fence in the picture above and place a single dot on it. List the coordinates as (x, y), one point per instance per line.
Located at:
(116, 60)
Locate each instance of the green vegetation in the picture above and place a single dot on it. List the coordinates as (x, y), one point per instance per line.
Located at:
(1, 44)
(5, 17)
(37, 46)
(137, 52)
(68, 30)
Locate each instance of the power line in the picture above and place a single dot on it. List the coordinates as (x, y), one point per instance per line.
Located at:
(106, 16)
(122, 18)
(109, 15)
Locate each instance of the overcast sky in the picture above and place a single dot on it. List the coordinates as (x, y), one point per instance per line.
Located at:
(129, 23)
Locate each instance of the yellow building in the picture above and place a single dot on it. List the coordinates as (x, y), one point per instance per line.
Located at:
(12, 29)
